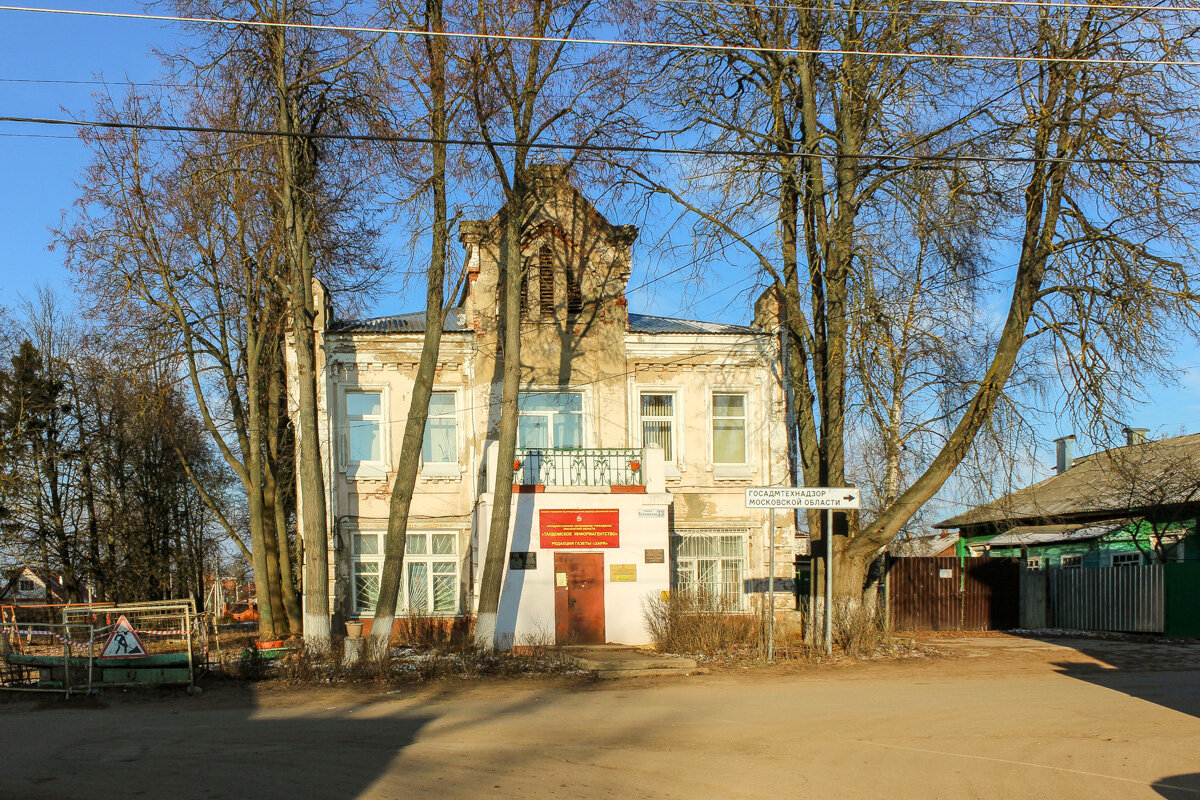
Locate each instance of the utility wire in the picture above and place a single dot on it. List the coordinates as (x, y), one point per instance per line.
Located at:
(650, 44)
(1044, 4)
(600, 148)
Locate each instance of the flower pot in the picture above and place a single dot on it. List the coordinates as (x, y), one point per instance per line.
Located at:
(516, 465)
(354, 630)
(635, 465)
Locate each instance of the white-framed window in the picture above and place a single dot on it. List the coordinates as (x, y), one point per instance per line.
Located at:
(709, 565)
(658, 422)
(1071, 562)
(550, 420)
(439, 449)
(430, 583)
(1034, 564)
(364, 415)
(729, 445)
(1126, 559)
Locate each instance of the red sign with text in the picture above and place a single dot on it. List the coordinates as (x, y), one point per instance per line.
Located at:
(578, 528)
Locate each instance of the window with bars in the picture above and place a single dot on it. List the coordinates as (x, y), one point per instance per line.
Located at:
(1071, 562)
(709, 566)
(546, 281)
(430, 584)
(658, 423)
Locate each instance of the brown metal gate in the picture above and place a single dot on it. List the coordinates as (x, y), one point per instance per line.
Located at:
(952, 594)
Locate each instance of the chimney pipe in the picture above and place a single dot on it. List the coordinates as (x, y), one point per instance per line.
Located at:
(1066, 453)
(1135, 436)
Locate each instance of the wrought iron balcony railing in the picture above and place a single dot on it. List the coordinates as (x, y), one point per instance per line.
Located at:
(588, 466)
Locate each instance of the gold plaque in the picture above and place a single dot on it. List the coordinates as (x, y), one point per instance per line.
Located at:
(622, 573)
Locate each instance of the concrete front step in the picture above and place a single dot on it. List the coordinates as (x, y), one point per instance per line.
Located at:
(607, 674)
(610, 662)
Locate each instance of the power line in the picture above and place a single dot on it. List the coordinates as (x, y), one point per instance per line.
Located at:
(1049, 4)
(649, 44)
(601, 148)
(889, 12)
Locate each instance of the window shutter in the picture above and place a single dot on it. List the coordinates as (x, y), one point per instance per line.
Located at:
(546, 280)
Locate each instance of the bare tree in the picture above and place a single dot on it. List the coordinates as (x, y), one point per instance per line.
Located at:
(840, 133)
(418, 409)
(524, 91)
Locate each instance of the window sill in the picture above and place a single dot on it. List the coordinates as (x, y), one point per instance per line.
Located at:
(732, 472)
(366, 472)
(441, 472)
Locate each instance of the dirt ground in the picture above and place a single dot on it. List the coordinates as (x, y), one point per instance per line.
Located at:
(982, 717)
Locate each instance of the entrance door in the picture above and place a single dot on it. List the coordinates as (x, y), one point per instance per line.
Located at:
(578, 598)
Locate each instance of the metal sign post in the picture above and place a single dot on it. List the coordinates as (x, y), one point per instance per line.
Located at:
(828, 498)
(771, 591)
(829, 581)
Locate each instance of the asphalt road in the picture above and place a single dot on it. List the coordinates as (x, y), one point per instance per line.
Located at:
(997, 718)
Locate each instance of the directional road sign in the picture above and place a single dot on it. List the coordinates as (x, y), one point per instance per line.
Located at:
(836, 498)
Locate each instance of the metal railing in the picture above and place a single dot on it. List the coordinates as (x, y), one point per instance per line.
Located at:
(585, 466)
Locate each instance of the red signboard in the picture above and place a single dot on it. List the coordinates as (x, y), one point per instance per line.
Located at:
(578, 528)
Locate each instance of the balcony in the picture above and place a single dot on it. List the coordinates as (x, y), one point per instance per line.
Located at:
(585, 468)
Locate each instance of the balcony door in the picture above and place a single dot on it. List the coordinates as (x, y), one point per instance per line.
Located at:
(550, 420)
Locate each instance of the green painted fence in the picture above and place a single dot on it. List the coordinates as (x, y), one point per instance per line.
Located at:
(1181, 601)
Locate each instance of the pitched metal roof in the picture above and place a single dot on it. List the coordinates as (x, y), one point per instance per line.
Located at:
(1137, 477)
(414, 322)
(645, 323)
(456, 322)
(1027, 535)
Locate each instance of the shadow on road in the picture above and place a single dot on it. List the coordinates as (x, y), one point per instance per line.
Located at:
(229, 743)
(1179, 787)
(1124, 666)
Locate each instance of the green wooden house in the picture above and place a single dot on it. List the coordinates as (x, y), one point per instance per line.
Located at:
(1128, 505)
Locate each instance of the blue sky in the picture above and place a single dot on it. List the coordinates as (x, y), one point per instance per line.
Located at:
(49, 64)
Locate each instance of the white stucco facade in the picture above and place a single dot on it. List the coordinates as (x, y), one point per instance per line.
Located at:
(600, 385)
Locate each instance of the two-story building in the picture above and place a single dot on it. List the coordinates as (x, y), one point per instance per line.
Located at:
(637, 438)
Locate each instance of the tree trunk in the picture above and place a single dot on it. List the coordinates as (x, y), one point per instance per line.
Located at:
(275, 425)
(494, 561)
(295, 166)
(418, 409)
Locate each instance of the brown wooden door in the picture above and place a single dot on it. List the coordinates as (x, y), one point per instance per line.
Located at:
(579, 598)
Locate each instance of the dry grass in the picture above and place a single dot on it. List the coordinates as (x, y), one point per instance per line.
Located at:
(423, 649)
(858, 631)
(692, 625)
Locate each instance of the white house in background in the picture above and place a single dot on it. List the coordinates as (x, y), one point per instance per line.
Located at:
(637, 438)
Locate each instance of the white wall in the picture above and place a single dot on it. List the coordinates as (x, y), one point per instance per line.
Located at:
(526, 614)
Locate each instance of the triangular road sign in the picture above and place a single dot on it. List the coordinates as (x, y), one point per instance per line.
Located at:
(123, 642)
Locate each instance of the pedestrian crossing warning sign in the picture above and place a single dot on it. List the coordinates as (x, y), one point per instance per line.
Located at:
(123, 642)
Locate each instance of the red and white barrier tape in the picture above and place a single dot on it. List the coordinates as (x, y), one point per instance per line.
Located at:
(58, 636)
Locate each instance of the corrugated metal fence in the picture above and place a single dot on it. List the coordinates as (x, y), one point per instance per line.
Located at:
(1126, 599)
(952, 594)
